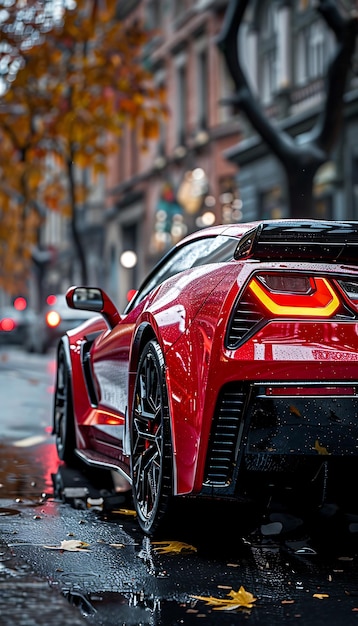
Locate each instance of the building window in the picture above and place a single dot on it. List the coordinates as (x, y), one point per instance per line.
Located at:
(179, 7)
(113, 273)
(269, 77)
(268, 53)
(300, 59)
(314, 45)
(181, 99)
(162, 139)
(303, 5)
(271, 204)
(203, 87)
(226, 91)
(316, 50)
(133, 151)
(323, 208)
(153, 13)
(269, 20)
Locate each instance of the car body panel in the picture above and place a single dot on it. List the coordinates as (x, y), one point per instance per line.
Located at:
(287, 362)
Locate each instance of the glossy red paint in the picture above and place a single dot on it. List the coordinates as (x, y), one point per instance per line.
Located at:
(303, 339)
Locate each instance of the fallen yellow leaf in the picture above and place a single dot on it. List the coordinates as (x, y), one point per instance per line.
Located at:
(321, 596)
(320, 449)
(162, 547)
(128, 512)
(234, 600)
(71, 545)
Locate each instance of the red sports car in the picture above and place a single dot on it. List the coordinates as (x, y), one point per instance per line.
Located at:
(234, 366)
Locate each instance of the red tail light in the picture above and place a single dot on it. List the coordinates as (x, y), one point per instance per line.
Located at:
(53, 319)
(7, 324)
(287, 295)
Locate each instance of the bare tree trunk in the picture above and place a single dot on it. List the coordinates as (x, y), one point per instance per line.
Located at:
(74, 224)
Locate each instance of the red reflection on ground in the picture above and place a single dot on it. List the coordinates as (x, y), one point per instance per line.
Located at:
(47, 458)
(26, 473)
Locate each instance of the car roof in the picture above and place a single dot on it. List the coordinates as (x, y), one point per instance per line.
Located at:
(229, 230)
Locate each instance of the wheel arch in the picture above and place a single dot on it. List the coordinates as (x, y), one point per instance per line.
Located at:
(144, 333)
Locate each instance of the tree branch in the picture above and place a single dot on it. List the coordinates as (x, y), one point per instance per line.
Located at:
(333, 18)
(281, 143)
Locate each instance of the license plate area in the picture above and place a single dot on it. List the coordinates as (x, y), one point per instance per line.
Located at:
(303, 420)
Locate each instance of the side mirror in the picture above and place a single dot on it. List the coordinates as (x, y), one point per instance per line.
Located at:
(88, 298)
(93, 299)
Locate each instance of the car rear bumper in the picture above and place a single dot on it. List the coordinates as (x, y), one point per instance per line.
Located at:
(265, 427)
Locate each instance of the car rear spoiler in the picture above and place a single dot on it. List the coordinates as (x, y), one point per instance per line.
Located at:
(301, 240)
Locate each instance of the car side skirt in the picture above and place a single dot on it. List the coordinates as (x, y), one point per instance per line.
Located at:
(93, 459)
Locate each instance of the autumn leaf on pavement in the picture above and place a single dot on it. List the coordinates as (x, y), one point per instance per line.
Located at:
(234, 600)
(168, 547)
(295, 411)
(128, 512)
(70, 545)
(320, 449)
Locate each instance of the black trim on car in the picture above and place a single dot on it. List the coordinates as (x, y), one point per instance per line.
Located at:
(87, 370)
(306, 240)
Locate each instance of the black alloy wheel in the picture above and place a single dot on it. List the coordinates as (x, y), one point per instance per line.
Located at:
(151, 448)
(63, 422)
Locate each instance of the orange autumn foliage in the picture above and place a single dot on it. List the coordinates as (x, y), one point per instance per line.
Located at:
(78, 83)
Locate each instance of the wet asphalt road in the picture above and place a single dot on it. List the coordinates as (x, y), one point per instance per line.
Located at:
(307, 573)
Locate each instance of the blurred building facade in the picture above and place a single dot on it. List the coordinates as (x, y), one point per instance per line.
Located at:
(285, 47)
(208, 165)
(184, 181)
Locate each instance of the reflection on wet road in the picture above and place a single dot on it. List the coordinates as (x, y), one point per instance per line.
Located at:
(27, 472)
(122, 576)
(26, 389)
(299, 566)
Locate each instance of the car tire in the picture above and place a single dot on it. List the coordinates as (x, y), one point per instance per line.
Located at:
(151, 447)
(63, 418)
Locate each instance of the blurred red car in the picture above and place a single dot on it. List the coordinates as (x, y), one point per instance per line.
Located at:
(14, 325)
(233, 369)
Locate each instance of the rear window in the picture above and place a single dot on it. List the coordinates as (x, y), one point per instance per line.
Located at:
(198, 252)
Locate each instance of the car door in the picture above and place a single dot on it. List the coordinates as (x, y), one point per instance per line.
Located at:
(110, 358)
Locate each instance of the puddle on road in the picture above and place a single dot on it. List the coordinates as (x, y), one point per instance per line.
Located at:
(4, 512)
(25, 473)
(136, 608)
